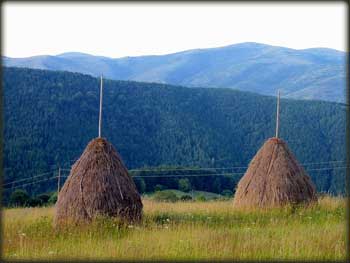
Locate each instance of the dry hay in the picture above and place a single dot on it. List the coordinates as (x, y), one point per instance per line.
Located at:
(274, 178)
(98, 185)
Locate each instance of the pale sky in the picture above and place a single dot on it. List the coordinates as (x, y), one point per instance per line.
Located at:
(133, 29)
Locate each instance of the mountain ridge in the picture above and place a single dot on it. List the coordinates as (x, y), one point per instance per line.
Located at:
(313, 73)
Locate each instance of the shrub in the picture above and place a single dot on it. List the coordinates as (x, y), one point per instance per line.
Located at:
(53, 198)
(33, 202)
(19, 198)
(159, 187)
(201, 198)
(186, 198)
(184, 185)
(227, 193)
(44, 198)
(140, 185)
(165, 196)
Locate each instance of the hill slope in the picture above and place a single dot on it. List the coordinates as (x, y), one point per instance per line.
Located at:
(316, 73)
(51, 116)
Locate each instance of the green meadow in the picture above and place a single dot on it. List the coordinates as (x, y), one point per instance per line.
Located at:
(184, 231)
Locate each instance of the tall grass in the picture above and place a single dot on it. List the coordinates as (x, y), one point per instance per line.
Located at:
(184, 230)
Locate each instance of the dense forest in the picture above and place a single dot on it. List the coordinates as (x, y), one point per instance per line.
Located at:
(49, 117)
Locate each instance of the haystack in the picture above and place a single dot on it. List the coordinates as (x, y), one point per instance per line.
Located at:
(274, 178)
(98, 185)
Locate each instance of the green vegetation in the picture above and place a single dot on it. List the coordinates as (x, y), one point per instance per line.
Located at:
(51, 116)
(184, 231)
(184, 185)
(20, 198)
(174, 195)
(166, 196)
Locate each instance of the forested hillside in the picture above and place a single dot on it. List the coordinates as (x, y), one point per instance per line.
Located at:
(315, 73)
(51, 116)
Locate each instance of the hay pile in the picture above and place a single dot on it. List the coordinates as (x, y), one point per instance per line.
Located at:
(98, 184)
(274, 178)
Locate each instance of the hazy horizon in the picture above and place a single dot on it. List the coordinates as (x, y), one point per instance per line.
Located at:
(98, 55)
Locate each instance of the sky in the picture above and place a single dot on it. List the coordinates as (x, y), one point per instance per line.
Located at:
(134, 29)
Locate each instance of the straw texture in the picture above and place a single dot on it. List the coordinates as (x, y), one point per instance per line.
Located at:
(98, 185)
(274, 178)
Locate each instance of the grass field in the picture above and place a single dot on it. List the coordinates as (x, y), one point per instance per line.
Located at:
(184, 231)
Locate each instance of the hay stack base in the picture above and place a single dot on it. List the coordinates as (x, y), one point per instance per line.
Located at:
(98, 185)
(274, 178)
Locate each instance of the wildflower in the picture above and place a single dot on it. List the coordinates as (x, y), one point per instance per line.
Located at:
(168, 220)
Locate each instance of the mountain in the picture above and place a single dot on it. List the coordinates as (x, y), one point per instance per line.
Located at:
(49, 117)
(316, 73)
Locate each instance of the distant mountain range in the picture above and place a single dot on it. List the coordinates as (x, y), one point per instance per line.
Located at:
(315, 73)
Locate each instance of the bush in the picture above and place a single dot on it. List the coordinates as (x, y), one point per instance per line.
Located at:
(53, 198)
(186, 198)
(44, 198)
(33, 202)
(159, 187)
(184, 185)
(165, 196)
(227, 193)
(19, 198)
(201, 198)
(140, 184)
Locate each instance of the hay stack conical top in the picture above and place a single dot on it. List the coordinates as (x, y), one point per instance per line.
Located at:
(98, 184)
(274, 178)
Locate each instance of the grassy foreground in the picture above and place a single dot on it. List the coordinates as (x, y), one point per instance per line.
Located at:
(184, 231)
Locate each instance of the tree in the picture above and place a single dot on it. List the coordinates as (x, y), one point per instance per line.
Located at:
(19, 198)
(53, 198)
(33, 202)
(227, 193)
(184, 185)
(44, 198)
(217, 185)
(158, 187)
(140, 184)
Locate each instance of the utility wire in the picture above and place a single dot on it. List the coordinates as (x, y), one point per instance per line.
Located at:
(188, 169)
(328, 168)
(28, 178)
(18, 186)
(324, 162)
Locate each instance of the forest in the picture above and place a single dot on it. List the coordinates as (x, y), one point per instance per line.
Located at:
(50, 116)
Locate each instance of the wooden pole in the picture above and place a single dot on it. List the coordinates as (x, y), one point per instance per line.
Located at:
(58, 181)
(100, 115)
(278, 114)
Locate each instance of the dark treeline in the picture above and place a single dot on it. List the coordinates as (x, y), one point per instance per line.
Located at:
(51, 116)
